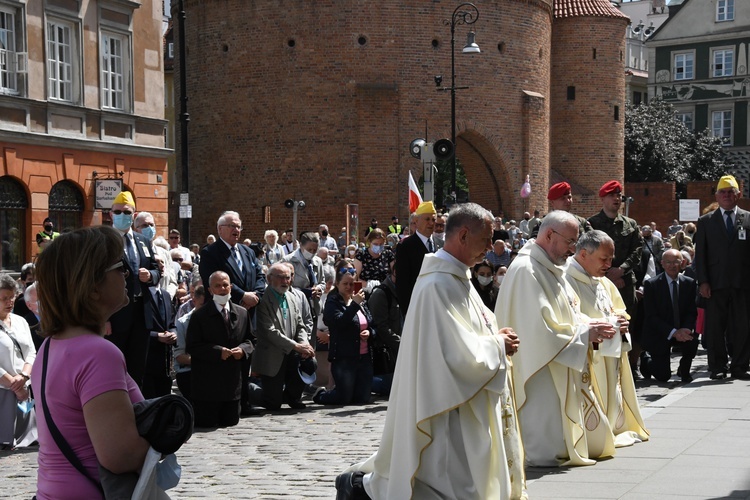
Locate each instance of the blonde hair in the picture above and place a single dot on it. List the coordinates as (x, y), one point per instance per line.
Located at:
(68, 270)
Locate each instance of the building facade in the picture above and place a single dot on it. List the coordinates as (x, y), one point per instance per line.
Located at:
(319, 101)
(81, 100)
(700, 64)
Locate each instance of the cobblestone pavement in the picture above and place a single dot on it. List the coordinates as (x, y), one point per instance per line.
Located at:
(286, 454)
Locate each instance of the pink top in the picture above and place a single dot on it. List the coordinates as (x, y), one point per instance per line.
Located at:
(362, 326)
(78, 370)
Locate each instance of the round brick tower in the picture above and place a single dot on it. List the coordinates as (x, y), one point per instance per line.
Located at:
(318, 101)
(587, 98)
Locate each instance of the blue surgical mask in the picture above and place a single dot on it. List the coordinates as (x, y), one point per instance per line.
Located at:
(122, 222)
(376, 248)
(149, 232)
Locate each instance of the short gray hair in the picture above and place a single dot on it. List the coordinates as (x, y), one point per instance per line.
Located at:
(27, 292)
(8, 283)
(141, 217)
(160, 242)
(556, 219)
(468, 215)
(271, 232)
(592, 240)
(222, 217)
(307, 237)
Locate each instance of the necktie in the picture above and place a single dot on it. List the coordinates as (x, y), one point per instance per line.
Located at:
(237, 259)
(675, 307)
(730, 226)
(132, 260)
(225, 314)
(430, 247)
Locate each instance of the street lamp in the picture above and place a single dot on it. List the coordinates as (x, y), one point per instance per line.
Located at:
(466, 13)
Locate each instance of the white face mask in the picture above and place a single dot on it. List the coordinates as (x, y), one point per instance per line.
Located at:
(307, 255)
(484, 280)
(439, 236)
(222, 299)
(499, 279)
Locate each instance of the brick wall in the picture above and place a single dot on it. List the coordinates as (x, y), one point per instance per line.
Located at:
(329, 120)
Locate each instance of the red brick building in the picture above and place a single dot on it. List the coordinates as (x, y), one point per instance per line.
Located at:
(319, 101)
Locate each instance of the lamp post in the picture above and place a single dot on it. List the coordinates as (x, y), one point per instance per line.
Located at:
(466, 13)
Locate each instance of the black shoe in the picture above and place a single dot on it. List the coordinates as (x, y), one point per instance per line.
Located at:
(349, 486)
(645, 370)
(686, 378)
(318, 392)
(718, 375)
(249, 411)
(296, 405)
(741, 375)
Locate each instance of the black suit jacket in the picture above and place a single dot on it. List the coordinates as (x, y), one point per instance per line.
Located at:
(409, 256)
(218, 257)
(122, 320)
(657, 306)
(159, 353)
(720, 260)
(212, 378)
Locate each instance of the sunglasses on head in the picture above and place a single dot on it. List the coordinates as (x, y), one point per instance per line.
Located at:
(349, 270)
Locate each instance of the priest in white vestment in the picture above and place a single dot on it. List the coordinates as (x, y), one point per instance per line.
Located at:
(612, 378)
(450, 430)
(561, 421)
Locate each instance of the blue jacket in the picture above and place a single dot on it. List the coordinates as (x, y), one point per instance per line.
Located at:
(343, 324)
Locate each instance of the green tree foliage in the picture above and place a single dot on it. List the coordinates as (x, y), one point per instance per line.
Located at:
(658, 147)
(442, 183)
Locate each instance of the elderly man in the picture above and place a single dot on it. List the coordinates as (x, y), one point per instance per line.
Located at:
(499, 255)
(145, 225)
(613, 378)
(722, 247)
(325, 256)
(652, 247)
(128, 325)
(411, 251)
(561, 421)
(245, 274)
(450, 430)
(326, 240)
(282, 342)
(670, 313)
(308, 270)
(218, 339)
(560, 197)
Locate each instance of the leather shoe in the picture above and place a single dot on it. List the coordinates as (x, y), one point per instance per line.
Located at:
(686, 378)
(296, 405)
(645, 370)
(718, 375)
(741, 375)
(349, 486)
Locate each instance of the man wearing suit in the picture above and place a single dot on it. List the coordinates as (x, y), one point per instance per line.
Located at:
(669, 319)
(239, 263)
(282, 342)
(308, 270)
(160, 323)
(721, 262)
(218, 339)
(411, 251)
(128, 325)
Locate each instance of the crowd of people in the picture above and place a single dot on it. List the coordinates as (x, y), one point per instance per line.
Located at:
(241, 326)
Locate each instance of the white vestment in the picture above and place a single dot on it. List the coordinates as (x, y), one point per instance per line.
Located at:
(612, 379)
(561, 420)
(450, 430)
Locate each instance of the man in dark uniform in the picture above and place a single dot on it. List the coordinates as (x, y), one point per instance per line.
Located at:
(560, 197)
(628, 242)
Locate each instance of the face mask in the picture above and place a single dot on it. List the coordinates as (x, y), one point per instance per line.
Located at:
(149, 232)
(352, 253)
(324, 234)
(439, 236)
(377, 249)
(307, 255)
(499, 279)
(222, 299)
(484, 280)
(48, 229)
(122, 221)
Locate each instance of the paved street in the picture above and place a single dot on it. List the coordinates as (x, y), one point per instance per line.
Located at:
(298, 454)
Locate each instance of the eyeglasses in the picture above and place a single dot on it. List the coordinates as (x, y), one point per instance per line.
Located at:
(146, 224)
(118, 212)
(120, 266)
(176, 259)
(349, 270)
(233, 226)
(174, 237)
(8, 300)
(569, 241)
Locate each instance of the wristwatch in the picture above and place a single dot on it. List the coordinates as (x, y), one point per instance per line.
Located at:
(25, 376)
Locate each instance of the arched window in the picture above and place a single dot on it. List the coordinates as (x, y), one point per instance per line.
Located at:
(13, 205)
(66, 206)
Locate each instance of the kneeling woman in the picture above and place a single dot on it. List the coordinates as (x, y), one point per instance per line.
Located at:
(348, 320)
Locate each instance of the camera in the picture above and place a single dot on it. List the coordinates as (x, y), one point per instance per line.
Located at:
(438, 80)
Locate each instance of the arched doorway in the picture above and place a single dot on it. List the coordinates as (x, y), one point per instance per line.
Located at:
(66, 206)
(486, 176)
(13, 205)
